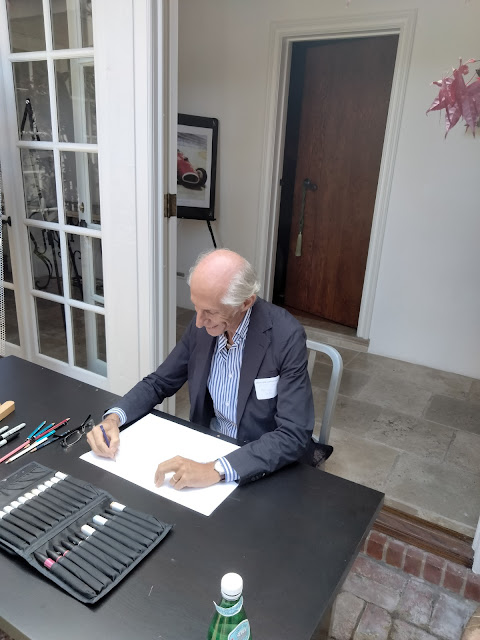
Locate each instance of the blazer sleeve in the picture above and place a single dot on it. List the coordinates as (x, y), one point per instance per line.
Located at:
(162, 383)
(294, 418)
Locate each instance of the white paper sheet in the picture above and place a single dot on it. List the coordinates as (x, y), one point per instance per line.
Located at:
(152, 440)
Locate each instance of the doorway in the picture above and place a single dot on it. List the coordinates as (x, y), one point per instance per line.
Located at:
(339, 94)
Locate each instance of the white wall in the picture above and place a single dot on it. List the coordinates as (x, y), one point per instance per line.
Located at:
(427, 305)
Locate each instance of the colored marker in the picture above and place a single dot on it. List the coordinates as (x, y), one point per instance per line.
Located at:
(53, 504)
(17, 531)
(70, 491)
(65, 576)
(20, 512)
(106, 556)
(116, 506)
(133, 526)
(37, 512)
(79, 486)
(63, 496)
(114, 544)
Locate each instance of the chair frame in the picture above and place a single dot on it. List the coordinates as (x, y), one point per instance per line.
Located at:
(322, 435)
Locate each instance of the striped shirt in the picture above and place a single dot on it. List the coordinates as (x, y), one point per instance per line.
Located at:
(222, 384)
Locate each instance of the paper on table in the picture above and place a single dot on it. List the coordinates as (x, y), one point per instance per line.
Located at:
(152, 440)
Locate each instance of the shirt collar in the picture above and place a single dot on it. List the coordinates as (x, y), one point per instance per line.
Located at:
(240, 334)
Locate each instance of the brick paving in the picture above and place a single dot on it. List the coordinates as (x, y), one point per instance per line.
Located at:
(382, 602)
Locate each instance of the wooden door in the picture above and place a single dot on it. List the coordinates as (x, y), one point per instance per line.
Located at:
(346, 93)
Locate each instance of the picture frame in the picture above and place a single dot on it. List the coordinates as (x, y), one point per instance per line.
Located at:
(197, 140)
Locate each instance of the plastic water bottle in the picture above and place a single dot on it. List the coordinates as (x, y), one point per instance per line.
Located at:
(230, 621)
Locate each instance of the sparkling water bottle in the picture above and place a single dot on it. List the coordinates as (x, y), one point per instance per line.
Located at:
(230, 621)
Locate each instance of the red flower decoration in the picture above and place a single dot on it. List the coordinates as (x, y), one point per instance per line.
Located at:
(459, 99)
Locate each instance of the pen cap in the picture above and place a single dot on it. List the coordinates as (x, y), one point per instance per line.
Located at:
(99, 520)
(26, 496)
(87, 530)
(14, 503)
(116, 506)
(231, 586)
(8, 508)
(61, 475)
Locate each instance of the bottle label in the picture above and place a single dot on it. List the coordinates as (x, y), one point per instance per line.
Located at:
(230, 611)
(241, 631)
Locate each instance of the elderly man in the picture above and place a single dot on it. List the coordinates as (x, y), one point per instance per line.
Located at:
(246, 365)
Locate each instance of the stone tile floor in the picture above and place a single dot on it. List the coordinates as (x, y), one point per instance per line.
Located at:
(407, 430)
(379, 602)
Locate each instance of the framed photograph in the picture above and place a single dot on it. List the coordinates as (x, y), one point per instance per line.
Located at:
(196, 167)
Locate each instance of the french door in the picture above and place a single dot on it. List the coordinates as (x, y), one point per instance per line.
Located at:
(87, 250)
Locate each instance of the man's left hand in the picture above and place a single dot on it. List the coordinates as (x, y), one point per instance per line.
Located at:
(187, 473)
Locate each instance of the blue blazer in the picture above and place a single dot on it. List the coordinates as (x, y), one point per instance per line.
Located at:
(274, 431)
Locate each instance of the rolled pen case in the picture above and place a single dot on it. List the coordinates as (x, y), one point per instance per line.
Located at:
(48, 506)
(96, 551)
(8, 536)
(76, 504)
(23, 525)
(80, 486)
(23, 514)
(71, 493)
(45, 517)
(56, 497)
(120, 518)
(128, 533)
(111, 542)
(20, 533)
(65, 576)
(76, 570)
(94, 561)
(121, 508)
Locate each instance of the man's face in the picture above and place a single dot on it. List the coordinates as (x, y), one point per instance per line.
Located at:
(216, 317)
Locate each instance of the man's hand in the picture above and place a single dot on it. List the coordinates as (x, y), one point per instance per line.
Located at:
(187, 473)
(97, 441)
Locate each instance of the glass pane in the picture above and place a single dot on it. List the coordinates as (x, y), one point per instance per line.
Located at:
(33, 100)
(81, 196)
(38, 173)
(11, 323)
(25, 21)
(7, 261)
(52, 339)
(46, 260)
(85, 269)
(77, 120)
(88, 339)
(72, 29)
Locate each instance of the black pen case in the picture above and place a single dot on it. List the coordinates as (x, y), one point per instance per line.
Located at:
(48, 523)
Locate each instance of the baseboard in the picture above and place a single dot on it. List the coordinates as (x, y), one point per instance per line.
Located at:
(428, 536)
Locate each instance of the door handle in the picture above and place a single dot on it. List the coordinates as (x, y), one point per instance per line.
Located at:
(308, 185)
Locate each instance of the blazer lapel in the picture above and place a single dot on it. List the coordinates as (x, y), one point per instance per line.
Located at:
(198, 382)
(256, 344)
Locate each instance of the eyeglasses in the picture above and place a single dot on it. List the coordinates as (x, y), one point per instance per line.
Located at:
(74, 435)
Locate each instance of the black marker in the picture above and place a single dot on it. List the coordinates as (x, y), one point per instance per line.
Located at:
(7, 535)
(133, 526)
(20, 513)
(111, 542)
(74, 569)
(135, 540)
(65, 576)
(11, 519)
(71, 492)
(90, 558)
(31, 508)
(78, 484)
(146, 519)
(89, 545)
(46, 505)
(52, 496)
(76, 504)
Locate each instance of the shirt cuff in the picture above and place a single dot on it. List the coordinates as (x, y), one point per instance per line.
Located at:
(120, 413)
(230, 473)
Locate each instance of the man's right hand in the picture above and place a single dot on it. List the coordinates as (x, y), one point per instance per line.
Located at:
(96, 440)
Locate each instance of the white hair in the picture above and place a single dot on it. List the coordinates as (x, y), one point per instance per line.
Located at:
(243, 284)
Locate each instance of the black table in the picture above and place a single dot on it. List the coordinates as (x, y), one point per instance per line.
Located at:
(292, 536)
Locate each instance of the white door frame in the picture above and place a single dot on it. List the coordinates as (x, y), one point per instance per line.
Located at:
(133, 173)
(282, 36)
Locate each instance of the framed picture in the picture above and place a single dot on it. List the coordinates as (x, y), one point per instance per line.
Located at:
(196, 167)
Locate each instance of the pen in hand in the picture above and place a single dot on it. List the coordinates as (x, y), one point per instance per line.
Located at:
(105, 437)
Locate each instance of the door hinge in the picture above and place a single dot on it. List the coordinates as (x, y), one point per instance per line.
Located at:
(169, 205)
